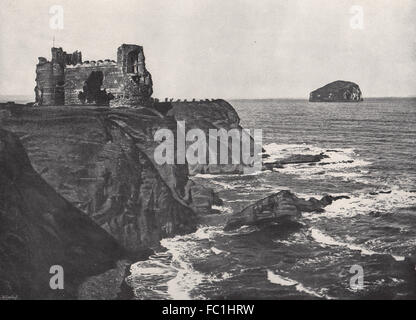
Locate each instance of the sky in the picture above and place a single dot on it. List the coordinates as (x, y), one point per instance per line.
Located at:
(224, 48)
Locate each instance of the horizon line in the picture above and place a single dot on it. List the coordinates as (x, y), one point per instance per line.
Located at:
(236, 98)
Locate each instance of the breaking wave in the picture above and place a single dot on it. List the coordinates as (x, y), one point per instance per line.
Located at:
(339, 160)
(170, 274)
(286, 282)
(326, 240)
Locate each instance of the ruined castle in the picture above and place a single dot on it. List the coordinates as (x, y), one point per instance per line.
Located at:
(67, 80)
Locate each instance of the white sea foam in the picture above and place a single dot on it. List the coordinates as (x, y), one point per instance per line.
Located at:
(364, 203)
(184, 250)
(205, 232)
(223, 209)
(286, 282)
(239, 200)
(277, 279)
(186, 279)
(216, 251)
(170, 274)
(326, 240)
(339, 163)
(242, 230)
(224, 185)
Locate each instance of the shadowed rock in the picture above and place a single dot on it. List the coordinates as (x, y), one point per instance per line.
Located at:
(294, 159)
(39, 229)
(202, 199)
(277, 206)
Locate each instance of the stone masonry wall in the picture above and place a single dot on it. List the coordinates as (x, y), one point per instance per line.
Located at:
(76, 76)
(66, 80)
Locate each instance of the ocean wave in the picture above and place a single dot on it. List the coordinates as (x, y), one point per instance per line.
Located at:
(216, 251)
(287, 282)
(326, 240)
(242, 230)
(364, 203)
(224, 185)
(223, 209)
(170, 274)
(149, 278)
(340, 162)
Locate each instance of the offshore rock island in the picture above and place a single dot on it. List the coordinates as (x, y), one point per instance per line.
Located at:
(337, 91)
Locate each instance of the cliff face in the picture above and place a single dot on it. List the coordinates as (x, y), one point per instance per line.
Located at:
(39, 229)
(206, 115)
(337, 91)
(101, 160)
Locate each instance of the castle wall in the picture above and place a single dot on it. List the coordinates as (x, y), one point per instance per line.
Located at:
(75, 78)
(124, 89)
(67, 80)
(60, 56)
(49, 83)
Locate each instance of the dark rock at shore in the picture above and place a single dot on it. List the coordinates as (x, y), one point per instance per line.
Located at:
(278, 206)
(109, 285)
(39, 229)
(337, 91)
(303, 158)
(201, 198)
(272, 165)
(374, 193)
(294, 159)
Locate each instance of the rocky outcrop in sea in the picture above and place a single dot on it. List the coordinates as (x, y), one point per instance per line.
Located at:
(278, 207)
(337, 91)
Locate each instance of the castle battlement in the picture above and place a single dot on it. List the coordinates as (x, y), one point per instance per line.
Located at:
(67, 80)
(87, 64)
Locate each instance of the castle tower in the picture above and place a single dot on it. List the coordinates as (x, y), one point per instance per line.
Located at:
(50, 77)
(131, 59)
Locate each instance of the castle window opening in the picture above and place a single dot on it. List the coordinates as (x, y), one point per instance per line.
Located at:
(132, 60)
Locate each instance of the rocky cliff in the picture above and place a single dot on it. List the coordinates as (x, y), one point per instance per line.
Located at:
(101, 161)
(206, 115)
(337, 91)
(40, 229)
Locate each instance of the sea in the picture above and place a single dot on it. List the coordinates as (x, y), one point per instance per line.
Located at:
(355, 249)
